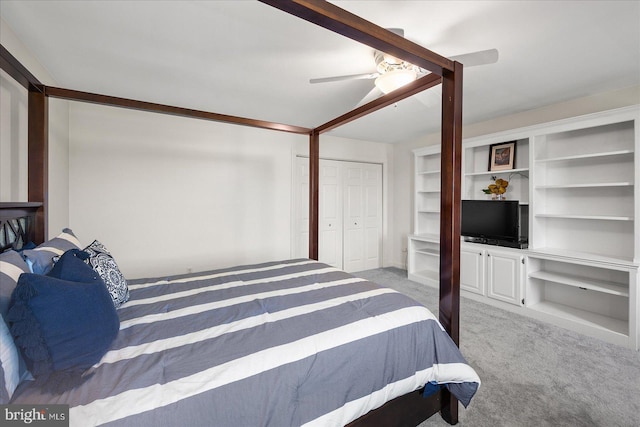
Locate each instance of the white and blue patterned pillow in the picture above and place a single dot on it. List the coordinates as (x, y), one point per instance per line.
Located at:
(104, 264)
(40, 259)
(11, 267)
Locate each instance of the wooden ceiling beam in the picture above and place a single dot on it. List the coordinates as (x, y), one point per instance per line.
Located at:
(75, 95)
(18, 72)
(391, 98)
(338, 20)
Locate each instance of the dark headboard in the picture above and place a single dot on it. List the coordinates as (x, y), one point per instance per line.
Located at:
(17, 224)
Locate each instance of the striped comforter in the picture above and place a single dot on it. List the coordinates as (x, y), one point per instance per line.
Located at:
(284, 343)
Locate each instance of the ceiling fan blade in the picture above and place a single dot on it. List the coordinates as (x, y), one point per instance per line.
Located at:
(481, 57)
(373, 94)
(366, 76)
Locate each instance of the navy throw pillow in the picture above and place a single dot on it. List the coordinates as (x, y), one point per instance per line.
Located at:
(60, 323)
(72, 266)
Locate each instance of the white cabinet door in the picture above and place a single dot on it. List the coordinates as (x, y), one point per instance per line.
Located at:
(503, 276)
(472, 271)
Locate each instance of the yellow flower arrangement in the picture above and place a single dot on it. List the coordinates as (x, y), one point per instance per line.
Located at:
(500, 186)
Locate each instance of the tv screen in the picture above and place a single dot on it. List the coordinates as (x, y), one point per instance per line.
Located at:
(490, 219)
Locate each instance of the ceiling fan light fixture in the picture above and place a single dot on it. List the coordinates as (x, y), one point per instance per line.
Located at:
(394, 79)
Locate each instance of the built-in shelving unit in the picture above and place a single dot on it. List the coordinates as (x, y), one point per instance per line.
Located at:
(424, 258)
(584, 187)
(580, 178)
(596, 298)
(427, 192)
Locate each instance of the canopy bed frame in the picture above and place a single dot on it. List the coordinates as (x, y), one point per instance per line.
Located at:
(410, 409)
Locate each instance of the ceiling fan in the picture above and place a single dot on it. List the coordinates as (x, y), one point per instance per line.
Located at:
(392, 73)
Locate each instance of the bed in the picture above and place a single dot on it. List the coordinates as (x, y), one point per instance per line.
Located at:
(292, 342)
(405, 406)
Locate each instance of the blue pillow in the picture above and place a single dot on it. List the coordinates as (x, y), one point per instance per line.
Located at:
(60, 323)
(72, 266)
(40, 259)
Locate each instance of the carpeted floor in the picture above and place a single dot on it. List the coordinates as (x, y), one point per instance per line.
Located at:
(534, 373)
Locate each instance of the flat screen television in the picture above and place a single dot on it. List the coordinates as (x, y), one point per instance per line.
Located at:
(495, 222)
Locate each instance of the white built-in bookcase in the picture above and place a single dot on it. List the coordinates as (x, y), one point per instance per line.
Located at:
(580, 178)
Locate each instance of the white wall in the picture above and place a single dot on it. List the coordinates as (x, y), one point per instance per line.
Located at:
(169, 194)
(403, 156)
(13, 137)
(13, 140)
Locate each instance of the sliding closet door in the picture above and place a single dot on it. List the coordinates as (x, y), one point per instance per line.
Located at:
(350, 214)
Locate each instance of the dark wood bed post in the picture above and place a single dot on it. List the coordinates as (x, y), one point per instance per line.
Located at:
(38, 138)
(314, 199)
(451, 159)
(38, 152)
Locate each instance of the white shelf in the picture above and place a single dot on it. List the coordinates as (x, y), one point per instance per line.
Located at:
(427, 237)
(429, 211)
(429, 251)
(588, 257)
(586, 217)
(582, 282)
(429, 172)
(428, 191)
(488, 173)
(583, 317)
(585, 185)
(586, 156)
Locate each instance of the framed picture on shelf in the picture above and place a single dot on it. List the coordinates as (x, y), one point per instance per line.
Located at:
(502, 156)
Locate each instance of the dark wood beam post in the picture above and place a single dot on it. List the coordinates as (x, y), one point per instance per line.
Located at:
(15, 69)
(38, 149)
(340, 21)
(314, 199)
(451, 181)
(94, 98)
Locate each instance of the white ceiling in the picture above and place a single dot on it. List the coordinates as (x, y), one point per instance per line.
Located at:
(247, 59)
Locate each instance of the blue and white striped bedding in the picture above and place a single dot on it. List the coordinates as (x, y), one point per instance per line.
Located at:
(284, 343)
